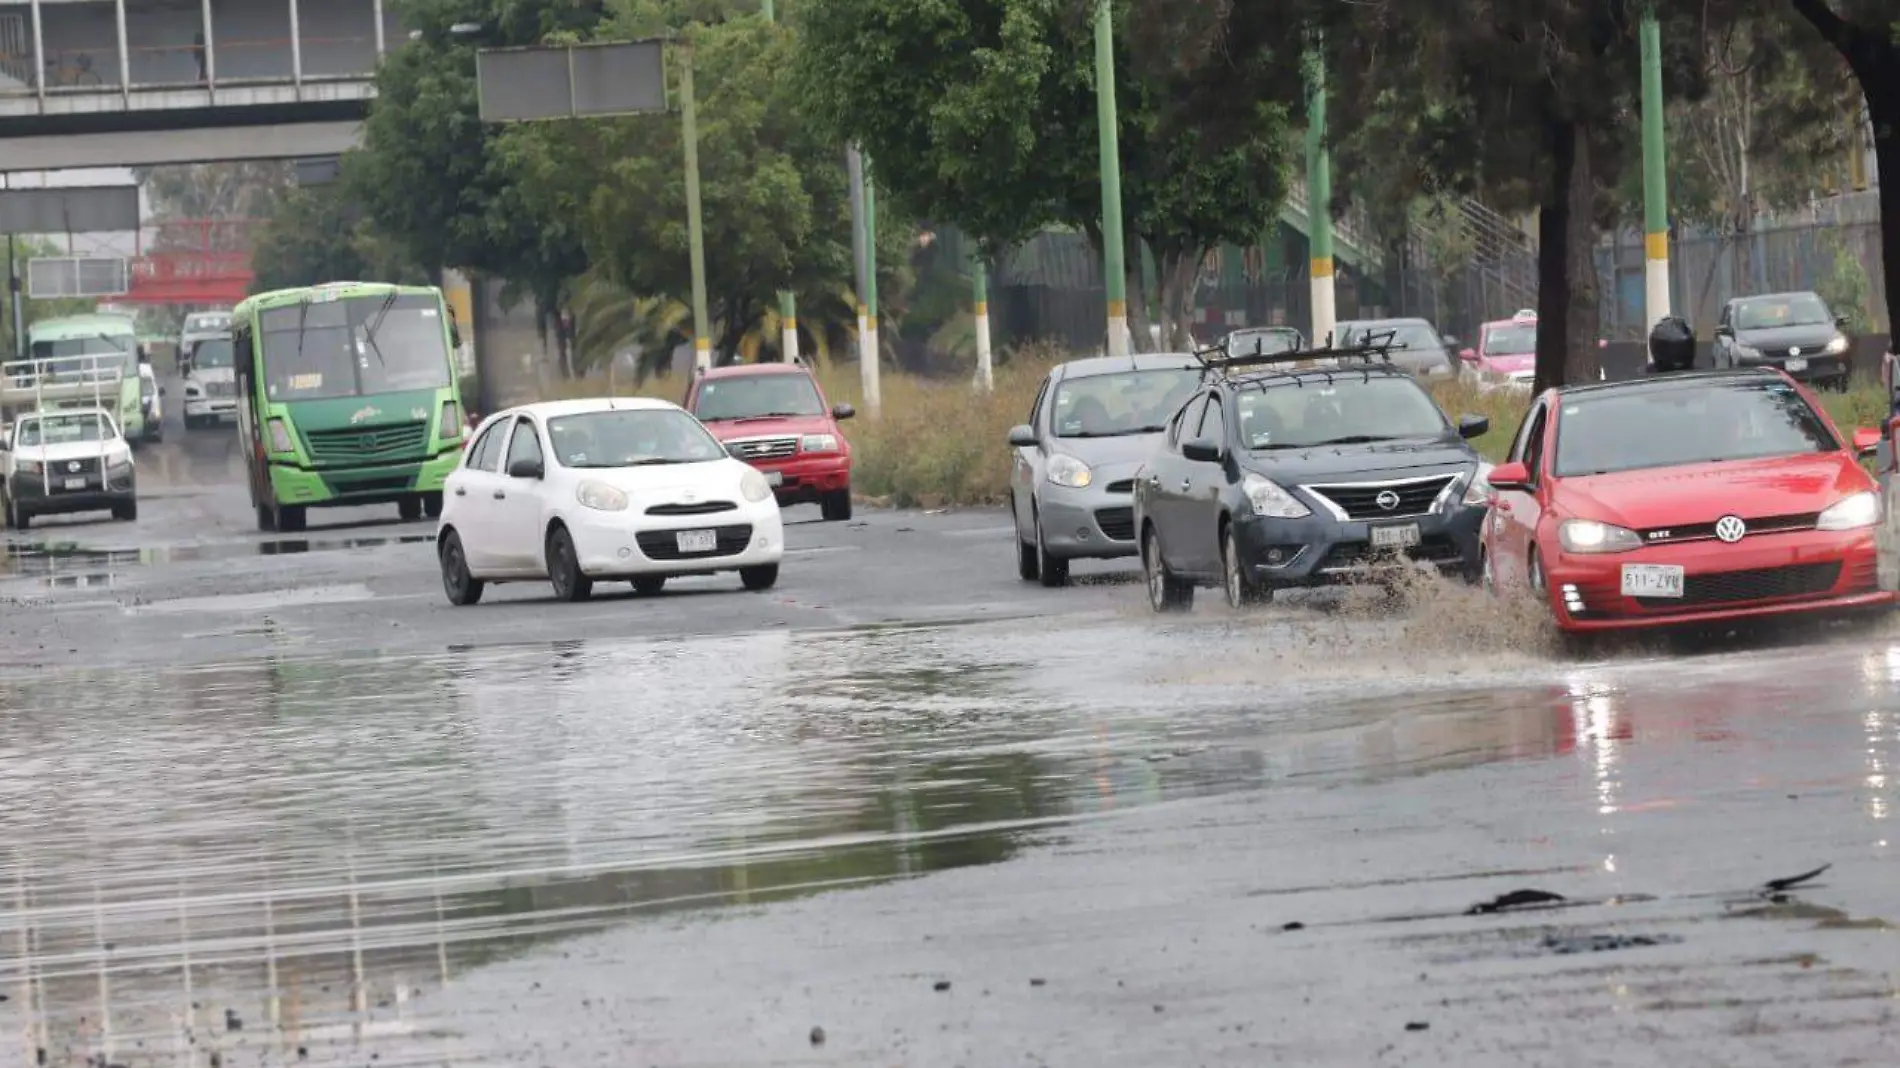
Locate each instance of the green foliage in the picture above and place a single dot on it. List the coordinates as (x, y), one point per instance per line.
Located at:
(26, 248)
(1845, 286)
(316, 234)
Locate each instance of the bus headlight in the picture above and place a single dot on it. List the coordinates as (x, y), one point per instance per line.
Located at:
(280, 437)
(451, 421)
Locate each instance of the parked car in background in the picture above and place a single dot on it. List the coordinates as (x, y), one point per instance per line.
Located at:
(1794, 332)
(774, 416)
(1690, 498)
(1416, 344)
(1071, 484)
(1505, 356)
(586, 491)
(1262, 340)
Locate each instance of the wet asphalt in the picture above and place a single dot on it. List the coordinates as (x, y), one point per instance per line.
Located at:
(270, 800)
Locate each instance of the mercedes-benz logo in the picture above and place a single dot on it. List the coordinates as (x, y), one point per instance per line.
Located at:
(1387, 500)
(1730, 529)
(369, 441)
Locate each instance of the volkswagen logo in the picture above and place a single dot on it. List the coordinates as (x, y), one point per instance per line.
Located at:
(1730, 528)
(1387, 500)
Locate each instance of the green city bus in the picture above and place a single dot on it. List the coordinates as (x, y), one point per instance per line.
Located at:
(97, 335)
(347, 396)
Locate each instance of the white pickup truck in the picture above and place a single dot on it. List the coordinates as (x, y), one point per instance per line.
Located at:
(65, 460)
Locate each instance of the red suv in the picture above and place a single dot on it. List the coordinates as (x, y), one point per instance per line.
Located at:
(774, 417)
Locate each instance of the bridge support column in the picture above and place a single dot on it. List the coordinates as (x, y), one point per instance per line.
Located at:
(376, 9)
(125, 53)
(296, 49)
(39, 53)
(211, 50)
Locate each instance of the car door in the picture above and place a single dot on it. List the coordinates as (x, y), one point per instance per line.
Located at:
(1168, 486)
(1201, 496)
(1514, 513)
(468, 496)
(1026, 466)
(518, 501)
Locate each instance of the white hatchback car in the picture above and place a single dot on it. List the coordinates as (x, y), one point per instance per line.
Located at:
(610, 489)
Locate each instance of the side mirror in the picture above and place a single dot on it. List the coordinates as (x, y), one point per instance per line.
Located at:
(1468, 355)
(526, 469)
(1022, 436)
(1511, 476)
(161, 391)
(1866, 441)
(1201, 450)
(1472, 426)
(842, 411)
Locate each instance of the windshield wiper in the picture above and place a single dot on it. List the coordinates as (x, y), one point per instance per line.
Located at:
(1354, 439)
(303, 312)
(764, 415)
(1114, 433)
(369, 332)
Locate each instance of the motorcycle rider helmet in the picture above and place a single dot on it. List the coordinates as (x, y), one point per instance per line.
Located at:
(1671, 346)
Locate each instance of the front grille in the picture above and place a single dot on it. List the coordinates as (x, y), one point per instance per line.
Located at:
(1117, 523)
(702, 508)
(1126, 485)
(220, 389)
(664, 544)
(1414, 497)
(370, 444)
(763, 448)
(1761, 584)
(85, 465)
(387, 484)
(1436, 549)
(1775, 524)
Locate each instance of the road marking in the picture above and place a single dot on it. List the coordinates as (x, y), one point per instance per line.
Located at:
(980, 532)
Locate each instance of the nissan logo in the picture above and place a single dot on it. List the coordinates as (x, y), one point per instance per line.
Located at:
(72, 465)
(1730, 529)
(1387, 500)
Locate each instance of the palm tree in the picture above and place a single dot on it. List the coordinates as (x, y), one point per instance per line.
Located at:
(609, 320)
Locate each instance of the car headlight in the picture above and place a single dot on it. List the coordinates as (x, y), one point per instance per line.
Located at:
(193, 389)
(1478, 491)
(30, 467)
(1746, 352)
(818, 443)
(280, 437)
(753, 487)
(1850, 513)
(1836, 346)
(1268, 499)
(1590, 536)
(1069, 471)
(600, 496)
(121, 462)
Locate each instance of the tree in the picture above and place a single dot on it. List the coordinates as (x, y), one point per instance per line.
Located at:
(26, 248)
(982, 114)
(1867, 35)
(316, 234)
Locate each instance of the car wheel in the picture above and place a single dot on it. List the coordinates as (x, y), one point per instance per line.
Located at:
(432, 504)
(1239, 586)
(291, 518)
(1052, 570)
(16, 515)
(1165, 592)
(409, 509)
(462, 587)
(836, 505)
(564, 568)
(126, 512)
(1538, 585)
(1026, 567)
(266, 519)
(762, 577)
(648, 585)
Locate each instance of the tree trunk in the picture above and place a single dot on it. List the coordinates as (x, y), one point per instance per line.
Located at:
(1180, 278)
(1567, 291)
(1883, 100)
(1553, 230)
(1140, 337)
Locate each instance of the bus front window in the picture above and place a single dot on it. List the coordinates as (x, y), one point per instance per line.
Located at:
(355, 347)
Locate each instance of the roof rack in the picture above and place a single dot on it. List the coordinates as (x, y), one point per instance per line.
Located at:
(1376, 346)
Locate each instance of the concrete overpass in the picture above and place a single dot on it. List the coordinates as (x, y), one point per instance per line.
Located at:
(94, 83)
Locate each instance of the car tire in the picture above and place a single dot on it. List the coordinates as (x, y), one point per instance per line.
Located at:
(1540, 585)
(1026, 566)
(266, 519)
(835, 506)
(409, 509)
(1236, 584)
(762, 577)
(649, 585)
(1165, 592)
(463, 588)
(126, 512)
(292, 518)
(16, 515)
(1053, 571)
(564, 568)
(432, 504)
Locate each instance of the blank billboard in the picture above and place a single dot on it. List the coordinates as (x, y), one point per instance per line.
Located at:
(571, 81)
(79, 209)
(53, 277)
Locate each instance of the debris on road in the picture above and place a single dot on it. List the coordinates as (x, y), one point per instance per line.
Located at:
(1516, 899)
(1775, 886)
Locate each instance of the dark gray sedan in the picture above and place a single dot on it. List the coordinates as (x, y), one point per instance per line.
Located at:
(1071, 488)
(1417, 346)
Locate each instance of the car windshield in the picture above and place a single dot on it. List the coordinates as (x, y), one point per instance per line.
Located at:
(214, 352)
(93, 345)
(64, 429)
(1767, 313)
(631, 438)
(356, 347)
(1516, 339)
(1268, 342)
(1666, 428)
(1352, 409)
(1120, 403)
(760, 396)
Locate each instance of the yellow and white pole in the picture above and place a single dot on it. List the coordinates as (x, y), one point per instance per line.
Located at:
(1319, 196)
(1655, 180)
(985, 367)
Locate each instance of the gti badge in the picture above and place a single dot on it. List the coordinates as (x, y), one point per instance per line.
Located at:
(1730, 529)
(1387, 500)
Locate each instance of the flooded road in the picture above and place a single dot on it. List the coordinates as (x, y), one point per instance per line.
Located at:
(272, 801)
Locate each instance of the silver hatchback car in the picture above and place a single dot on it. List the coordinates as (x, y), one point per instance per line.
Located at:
(1093, 423)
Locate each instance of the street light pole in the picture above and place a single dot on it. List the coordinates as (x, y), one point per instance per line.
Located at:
(868, 368)
(1114, 269)
(689, 120)
(980, 282)
(787, 300)
(1319, 203)
(1655, 178)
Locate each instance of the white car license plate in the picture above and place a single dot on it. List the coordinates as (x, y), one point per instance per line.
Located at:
(1796, 363)
(1652, 580)
(775, 478)
(75, 483)
(1402, 536)
(697, 541)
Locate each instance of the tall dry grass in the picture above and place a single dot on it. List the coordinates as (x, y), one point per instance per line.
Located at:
(941, 443)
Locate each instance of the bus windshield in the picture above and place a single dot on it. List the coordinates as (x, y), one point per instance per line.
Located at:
(354, 347)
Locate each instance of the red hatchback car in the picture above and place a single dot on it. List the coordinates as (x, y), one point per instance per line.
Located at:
(1697, 497)
(774, 417)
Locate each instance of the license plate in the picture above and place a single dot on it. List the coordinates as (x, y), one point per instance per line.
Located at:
(1652, 580)
(775, 478)
(1796, 363)
(75, 483)
(1396, 537)
(697, 541)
